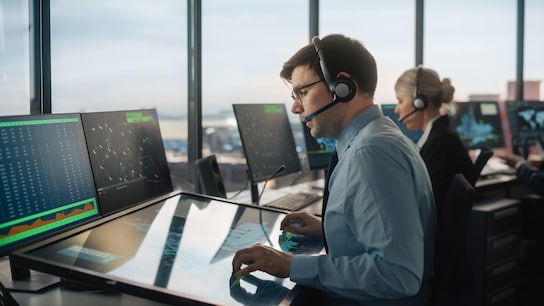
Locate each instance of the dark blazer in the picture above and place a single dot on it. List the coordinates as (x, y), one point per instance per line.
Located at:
(444, 155)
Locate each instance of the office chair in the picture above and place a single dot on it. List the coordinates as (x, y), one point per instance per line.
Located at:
(479, 164)
(452, 271)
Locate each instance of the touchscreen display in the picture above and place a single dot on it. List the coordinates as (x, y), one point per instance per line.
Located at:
(180, 248)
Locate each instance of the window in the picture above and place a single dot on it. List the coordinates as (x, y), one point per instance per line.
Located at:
(386, 28)
(245, 44)
(14, 58)
(473, 43)
(126, 54)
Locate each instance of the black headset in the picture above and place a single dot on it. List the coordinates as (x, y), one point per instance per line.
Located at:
(342, 88)
(420, 102)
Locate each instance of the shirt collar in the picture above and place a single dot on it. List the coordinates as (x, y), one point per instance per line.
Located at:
(355, 126)
(425, 135)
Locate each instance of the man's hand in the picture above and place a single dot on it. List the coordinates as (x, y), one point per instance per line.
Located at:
(302, 223)
(263, 258)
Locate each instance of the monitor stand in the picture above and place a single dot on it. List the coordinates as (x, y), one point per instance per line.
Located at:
(254, 193)
(23, 280)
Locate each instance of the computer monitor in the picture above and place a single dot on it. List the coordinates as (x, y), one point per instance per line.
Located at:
(318, 150)
(177, 251)
(388, 109)
(127, 157)
(46, 179)
(268, 141)
(478, 123)
(526, 120)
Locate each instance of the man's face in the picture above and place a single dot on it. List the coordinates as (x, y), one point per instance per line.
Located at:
(310, 93)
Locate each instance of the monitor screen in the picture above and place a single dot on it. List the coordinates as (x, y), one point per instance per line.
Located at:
(267, 139)
(526, 120)
(127, 157)
(170, 250)
(318, 150)
(389, 111)
(46, 179)
(478, 123)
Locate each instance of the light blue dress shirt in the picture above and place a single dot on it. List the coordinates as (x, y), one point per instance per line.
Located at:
(380, 220)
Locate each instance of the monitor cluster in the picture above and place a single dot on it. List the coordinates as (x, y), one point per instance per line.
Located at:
(478, 124)
(268, 141)
(482, 125)
(526, 120)
(60, 171)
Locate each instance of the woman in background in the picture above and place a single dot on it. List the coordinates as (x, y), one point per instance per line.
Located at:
(421, 94)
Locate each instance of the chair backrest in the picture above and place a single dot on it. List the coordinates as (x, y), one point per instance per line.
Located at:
(479, 164)
(452, 271)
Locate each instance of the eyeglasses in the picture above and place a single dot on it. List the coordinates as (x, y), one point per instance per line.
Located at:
(298, 93)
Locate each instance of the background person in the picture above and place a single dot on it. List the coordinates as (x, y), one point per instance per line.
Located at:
(421, 94)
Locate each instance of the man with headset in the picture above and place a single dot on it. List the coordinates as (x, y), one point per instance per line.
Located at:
(378, 217)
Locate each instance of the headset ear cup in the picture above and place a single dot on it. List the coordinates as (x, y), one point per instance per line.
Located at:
(344, 89)
(420, 102)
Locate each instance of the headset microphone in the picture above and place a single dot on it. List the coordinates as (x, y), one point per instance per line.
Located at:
(419, 101)
(407, 115)
(319, 111)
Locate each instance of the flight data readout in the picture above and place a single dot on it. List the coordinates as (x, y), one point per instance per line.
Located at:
(45, 175)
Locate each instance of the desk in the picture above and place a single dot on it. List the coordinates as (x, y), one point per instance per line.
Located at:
(494, 242)
(502, 186)
(498, 186)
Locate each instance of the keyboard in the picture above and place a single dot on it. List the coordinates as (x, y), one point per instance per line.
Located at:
(294, 201)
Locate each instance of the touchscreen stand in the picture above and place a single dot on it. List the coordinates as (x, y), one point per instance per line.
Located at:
(254, 193)
(23, 280)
